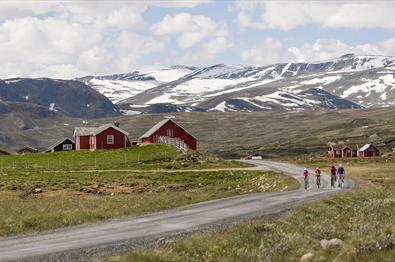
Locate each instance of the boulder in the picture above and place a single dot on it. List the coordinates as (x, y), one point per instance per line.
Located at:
(307, 257)
(335, 243)
(324, 243)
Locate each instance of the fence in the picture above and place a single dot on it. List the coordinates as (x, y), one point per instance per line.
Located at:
(175, 142)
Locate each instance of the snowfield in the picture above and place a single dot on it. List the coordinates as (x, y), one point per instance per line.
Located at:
(381, 85)
(117, 90)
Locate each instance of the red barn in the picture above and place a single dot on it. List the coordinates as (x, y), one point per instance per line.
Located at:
(103, 137)
(368, 150)
(171, 129)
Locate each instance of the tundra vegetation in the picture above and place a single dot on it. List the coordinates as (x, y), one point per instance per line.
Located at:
(363, 218)
(47, 191)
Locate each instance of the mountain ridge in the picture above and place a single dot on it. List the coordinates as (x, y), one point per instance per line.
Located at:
(199, 86)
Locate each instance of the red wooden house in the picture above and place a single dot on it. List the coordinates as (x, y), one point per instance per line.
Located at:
(341, 151)
(103, 137)
(169, 128)
(368, 150)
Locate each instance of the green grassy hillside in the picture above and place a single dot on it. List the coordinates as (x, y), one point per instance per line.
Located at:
(143, 157)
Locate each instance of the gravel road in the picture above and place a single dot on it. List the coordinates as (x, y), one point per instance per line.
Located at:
(89, 241)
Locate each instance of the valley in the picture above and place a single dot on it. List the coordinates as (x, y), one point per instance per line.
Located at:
(230, 135)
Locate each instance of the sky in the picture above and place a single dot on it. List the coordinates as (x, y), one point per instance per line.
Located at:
(67, 39)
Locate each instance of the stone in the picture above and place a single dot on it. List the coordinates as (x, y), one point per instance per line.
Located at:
(335, 243)
(324, 243)
(307, 257)
(38, 190)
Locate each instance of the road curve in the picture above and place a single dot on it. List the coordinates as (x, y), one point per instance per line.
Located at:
(86, 241)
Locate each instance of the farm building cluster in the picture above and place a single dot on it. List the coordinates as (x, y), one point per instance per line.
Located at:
(111, 136)
(345, 151)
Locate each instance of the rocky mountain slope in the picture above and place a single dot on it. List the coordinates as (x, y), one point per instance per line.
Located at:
(47, 97)
(350, 81)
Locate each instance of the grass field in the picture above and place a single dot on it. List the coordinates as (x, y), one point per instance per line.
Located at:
(35, 197)
(140, 158)
(363, 218)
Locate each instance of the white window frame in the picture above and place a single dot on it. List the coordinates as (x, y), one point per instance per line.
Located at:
(67, 147)
(110, 139)
(170, 132)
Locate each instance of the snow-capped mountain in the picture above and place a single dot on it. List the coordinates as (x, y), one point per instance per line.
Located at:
(120, 86)
(350, 81)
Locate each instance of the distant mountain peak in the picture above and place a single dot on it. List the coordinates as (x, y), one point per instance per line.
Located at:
(348, 55)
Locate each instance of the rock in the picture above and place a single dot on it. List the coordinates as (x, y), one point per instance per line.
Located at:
(324, 243)
(335, 243)
(307, 257)
(38, 190)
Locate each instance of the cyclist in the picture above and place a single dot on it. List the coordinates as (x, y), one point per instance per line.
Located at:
(332, 171)
(306, 178)
(341, 172)
(318, 176)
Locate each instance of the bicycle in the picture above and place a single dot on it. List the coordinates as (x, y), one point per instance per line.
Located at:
(306, 183)
(333, 180)
(318, 181)
(341, 181)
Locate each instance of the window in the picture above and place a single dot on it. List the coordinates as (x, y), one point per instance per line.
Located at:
(110, 139)
(170, 133)
(67, 147)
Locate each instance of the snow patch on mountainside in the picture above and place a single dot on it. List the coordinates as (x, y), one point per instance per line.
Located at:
(164, 99)
(129, 112)
(117, 90)
(168, 75)
(322, 81)
(379, 85)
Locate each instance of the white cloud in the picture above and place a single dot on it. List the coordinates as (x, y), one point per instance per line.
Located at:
(269, 52)
(178, 4)
(191, 29)
(209, 51)
(272, 51)
(288, 15)
(71, 39)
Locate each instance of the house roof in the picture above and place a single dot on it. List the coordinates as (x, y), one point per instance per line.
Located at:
(155, 128)
(342, 147)
(4, 152)
(32, 149)
(365, 147)
(59, 142)
(93, 131)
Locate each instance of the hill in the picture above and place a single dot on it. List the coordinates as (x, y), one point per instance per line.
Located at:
(49, 97)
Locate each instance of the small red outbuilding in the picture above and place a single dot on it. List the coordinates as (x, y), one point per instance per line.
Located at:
(103, 137)
(171, 129)
(368, 150)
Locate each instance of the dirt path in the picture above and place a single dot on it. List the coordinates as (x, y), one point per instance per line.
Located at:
(88, 241)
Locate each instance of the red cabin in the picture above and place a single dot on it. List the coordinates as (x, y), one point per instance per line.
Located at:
(368, 150)
(341, 151)
(103, 137)
(170, 129)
